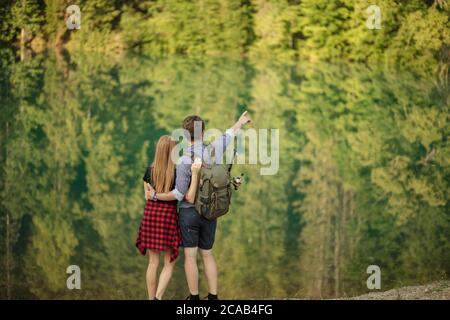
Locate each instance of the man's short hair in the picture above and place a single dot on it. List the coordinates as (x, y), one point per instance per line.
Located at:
(189, 125)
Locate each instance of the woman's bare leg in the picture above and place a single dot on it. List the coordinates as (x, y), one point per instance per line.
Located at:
(165, 275)
(152, 270)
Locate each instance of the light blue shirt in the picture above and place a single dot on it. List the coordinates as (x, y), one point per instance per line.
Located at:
(183, 174)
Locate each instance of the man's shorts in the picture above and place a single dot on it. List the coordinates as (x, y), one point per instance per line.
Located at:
(196, 230)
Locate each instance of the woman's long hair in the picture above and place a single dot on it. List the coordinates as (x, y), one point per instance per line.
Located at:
(163, 171)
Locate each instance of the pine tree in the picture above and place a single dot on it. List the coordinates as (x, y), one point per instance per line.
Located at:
(28, 16)
(276, 28)
(323, 24)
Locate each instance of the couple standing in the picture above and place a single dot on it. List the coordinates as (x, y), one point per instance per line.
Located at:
(162, 228)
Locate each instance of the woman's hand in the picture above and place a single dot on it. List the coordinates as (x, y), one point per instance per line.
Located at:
(195, 169)
(149, 191)
(196, 166)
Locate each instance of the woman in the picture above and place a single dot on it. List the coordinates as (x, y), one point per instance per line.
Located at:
(159, 230)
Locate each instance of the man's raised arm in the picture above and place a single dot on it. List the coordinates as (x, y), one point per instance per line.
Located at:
(221, 143)
(243, 119)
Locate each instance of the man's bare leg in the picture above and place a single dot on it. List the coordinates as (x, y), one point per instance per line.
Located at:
(210, 267)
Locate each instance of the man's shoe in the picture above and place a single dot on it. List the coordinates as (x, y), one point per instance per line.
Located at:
(212, 297)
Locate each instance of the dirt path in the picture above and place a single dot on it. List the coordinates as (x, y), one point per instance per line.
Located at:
(439, 290)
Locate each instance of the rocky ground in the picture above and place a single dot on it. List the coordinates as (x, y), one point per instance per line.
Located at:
(439, 290)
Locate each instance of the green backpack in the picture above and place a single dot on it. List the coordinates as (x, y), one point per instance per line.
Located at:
(213, 195)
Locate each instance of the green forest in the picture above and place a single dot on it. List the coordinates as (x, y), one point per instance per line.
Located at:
(364, 150)
(413, 33)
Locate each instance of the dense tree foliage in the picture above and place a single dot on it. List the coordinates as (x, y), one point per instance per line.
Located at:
(413, 33)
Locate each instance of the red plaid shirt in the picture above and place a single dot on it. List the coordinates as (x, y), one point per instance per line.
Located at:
(159, 228)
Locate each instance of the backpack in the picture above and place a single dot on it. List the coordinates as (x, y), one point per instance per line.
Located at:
(214, 193)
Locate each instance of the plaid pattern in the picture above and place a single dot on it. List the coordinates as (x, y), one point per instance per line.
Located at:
(159, 228)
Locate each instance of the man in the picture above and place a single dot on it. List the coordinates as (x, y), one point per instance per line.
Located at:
(197, 232)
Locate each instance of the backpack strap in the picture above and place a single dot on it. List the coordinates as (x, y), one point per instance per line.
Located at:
(212, 153)
(192, 155)
(234, 156)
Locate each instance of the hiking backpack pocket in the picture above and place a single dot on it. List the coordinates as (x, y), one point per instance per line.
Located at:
(213, 198)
